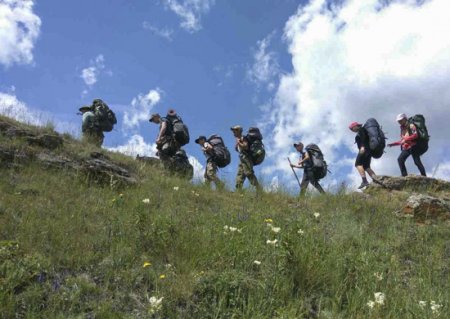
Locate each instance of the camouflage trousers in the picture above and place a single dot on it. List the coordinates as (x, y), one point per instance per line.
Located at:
(93, 137)
(245, 170)
(166, 150)
(211, 175)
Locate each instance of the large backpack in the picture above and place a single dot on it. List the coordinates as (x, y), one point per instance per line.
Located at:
(104, 117)
(419, 122)
(256, 147)
(222, 156)
(377, 139)
(320, 167)
(179, 129)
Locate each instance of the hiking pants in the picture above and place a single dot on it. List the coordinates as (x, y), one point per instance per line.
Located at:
(245, 170)
(166, 150)
(211, 174)
(308, 177)
(416, 157)
(93, 137)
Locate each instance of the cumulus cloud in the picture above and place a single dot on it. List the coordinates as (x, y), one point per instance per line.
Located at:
(199, 169)
(190, 12)
(19, 30)
(12, 107)
(92, 72)
(140, 108)
(135, 146)
(165, 33)
(357, 59)
(265, 67)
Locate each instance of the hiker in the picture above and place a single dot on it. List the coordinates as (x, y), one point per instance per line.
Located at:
(309, 174)
(165, 142)
(97, 118)
(410, 144)
(245, 168)
(211, 158)
(364, 157)
(92, 134)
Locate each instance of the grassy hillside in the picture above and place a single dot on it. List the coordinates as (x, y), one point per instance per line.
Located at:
(71, 248)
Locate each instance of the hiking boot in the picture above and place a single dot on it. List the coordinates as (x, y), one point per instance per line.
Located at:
(363, 185)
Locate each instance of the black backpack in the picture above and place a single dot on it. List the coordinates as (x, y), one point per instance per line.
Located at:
(257, 151)
(104, 117)
(320, 167)
(419, 122)
(179, 130)
(377, 139)
(222, 156)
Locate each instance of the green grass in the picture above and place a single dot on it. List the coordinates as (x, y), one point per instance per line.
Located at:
(70, 249)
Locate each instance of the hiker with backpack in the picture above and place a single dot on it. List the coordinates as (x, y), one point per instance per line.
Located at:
(414, 141)
(364, 157)
(165, 142)
(313, 164)
(217, 155)
(97, 118)
(245, 168)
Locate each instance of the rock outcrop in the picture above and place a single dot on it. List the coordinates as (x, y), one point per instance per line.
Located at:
(39, 147)
(424, 207)
(411, 183)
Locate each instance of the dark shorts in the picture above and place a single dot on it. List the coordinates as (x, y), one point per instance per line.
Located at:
(363, 160)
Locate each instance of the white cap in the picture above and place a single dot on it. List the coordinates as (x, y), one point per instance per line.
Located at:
(401, 117)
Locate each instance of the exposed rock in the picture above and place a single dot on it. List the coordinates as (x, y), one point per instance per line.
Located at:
(49, 141)
(411, 183)
(153, 161)
(105, 171)
(424, 207)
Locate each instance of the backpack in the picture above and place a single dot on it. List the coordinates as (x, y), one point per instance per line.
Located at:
(180, 130)
(320, 167)
(419, 122)
(377, 139)
(257, 151)
(104, 116)
(181, 166)
(222, 156)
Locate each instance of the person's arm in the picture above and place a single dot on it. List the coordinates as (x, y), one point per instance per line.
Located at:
(306, 157)
(208, 148)
(162, 131)
(243, 143)
(413, 136)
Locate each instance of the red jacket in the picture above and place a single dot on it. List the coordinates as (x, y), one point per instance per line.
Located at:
(408, 137)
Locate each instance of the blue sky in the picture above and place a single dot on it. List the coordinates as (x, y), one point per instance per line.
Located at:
(298, 69)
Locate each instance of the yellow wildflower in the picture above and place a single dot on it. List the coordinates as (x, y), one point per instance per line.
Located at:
(147, 264)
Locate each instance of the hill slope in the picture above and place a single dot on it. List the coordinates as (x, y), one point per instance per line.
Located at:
(75, 244)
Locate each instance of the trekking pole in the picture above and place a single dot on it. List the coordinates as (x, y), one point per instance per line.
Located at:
(298, 181)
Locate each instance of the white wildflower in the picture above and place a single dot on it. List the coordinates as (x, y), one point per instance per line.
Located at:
(233, 229)
(435, 307)
(300, 232)
(379, 298)
(155, 304)
(175, 188)
(316, 215)
(371, 304)
(379, 276)
(146, 201)
(272, 242)
(226, 228)
(276, 230)
(422, 304)
(257, 262)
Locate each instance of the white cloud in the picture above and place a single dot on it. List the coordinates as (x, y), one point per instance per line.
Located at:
(19, 30)
(199, 169)
(165, 33)
(136, 146)
(12, 107)
(265, 67)
(356, 60)
(90, 74)
(140, 108)
(190, 12)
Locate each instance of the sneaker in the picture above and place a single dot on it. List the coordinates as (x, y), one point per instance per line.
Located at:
(363, 184)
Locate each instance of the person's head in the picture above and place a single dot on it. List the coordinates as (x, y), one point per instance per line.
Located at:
(299, 146)
(85, 109)
(354, 126)
(237, 130)
(402, 119)
(201, 140)
(155, 118)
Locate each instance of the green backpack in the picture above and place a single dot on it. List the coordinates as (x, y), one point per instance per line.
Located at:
(419, 122)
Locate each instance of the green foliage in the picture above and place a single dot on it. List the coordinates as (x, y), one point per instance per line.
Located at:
(70, 249)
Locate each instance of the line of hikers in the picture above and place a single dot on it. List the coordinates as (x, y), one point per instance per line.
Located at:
(174, 134)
